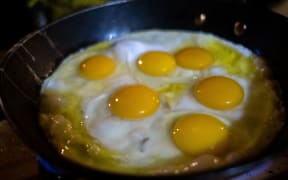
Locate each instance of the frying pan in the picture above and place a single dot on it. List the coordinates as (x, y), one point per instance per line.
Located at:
(34, 58)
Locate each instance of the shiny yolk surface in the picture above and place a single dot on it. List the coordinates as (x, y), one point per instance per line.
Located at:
(194, 58)
(134, 102)
(156, 63)
(219, 92)
(195, 134)
(97, 67)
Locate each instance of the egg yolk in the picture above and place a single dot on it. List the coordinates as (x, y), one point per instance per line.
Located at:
(196, 134)
(97, 67)
(134, 102)
(219, 93)
(194, 58)
(156, 63)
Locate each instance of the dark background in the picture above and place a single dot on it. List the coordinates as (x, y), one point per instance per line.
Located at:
(17, 20)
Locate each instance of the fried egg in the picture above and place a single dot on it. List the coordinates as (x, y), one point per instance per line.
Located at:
(158, 102)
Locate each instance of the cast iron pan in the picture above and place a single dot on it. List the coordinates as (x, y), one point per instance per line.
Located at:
(34, 57)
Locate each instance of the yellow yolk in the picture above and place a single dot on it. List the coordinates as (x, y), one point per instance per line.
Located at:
(97, 67)
(195, 134)
(134, 102)
(156, 63)
(219, 92)
(194, 58)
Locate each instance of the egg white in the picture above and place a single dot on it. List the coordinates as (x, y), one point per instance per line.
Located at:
(130, 48)
(143, 142)
(188, 102)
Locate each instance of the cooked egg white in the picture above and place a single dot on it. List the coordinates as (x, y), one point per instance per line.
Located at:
(141, 142)
(158, 102)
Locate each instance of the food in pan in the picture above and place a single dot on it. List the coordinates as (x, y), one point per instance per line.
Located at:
(160, 101)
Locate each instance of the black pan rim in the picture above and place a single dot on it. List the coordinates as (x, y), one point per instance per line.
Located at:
(29, 36)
